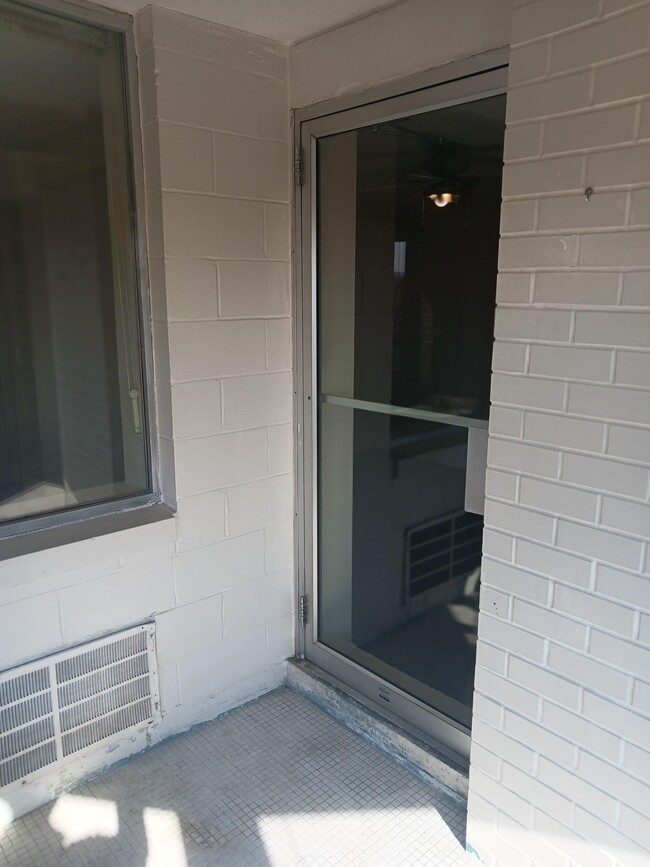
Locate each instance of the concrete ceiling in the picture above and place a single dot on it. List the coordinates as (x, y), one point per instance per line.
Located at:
(285, 21)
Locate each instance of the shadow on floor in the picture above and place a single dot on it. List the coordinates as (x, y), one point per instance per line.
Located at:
(276, 782)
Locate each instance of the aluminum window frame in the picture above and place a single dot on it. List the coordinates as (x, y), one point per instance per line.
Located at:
(128, 510)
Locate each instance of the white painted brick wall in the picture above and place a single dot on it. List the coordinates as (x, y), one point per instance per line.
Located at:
(560, 772)
(217, 578)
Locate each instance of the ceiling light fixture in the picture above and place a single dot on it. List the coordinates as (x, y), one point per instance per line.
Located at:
(441, 200)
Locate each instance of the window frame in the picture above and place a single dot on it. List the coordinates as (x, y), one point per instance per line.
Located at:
(38, 532)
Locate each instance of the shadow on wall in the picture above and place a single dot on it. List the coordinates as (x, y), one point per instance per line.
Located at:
(549, 841)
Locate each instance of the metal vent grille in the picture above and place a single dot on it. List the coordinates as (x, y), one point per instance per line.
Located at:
(57, 706)
(15, 688)
(439, 550)
(26, 723)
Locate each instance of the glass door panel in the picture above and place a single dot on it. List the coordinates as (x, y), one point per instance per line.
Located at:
(407, 227)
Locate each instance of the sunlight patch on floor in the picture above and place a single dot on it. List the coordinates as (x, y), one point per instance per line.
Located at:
(76, 818)
(6, 815)
(164, 838)
(326, 838)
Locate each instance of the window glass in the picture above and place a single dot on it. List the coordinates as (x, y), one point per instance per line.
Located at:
(72, 414)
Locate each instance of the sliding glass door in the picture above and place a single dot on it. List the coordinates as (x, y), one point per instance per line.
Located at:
(401, 222)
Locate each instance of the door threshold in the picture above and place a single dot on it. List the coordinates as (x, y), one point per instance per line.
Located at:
(430, 761)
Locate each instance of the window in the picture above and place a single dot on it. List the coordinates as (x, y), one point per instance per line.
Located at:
(73, 420)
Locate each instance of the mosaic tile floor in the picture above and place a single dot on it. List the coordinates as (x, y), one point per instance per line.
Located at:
(275, 783)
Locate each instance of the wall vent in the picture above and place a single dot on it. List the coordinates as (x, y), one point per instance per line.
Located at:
(57, 706)
(441, 550)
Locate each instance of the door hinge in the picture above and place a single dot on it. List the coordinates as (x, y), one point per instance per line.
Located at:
(303, 610)
(298, 167)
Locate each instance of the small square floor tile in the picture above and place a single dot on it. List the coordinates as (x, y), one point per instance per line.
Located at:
(275, 783)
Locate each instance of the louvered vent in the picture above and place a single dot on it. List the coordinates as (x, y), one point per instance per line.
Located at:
(437, 551)
(53, 708)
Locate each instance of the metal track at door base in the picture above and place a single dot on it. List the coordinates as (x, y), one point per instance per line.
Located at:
(431, 762)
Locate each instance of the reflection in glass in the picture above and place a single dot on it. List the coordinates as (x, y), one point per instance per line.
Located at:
(72, 421)
(406, 288)
(399, 555)
(408, 217)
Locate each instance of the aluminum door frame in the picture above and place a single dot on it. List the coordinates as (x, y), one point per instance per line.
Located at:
(465, 81)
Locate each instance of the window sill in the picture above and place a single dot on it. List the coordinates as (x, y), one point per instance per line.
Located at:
(82, 529)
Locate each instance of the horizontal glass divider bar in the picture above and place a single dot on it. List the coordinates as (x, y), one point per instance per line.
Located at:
(405, 411)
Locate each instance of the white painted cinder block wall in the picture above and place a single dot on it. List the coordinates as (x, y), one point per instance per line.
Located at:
(216, 129)
(217, 578)
(560, 770)
(407, 38)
